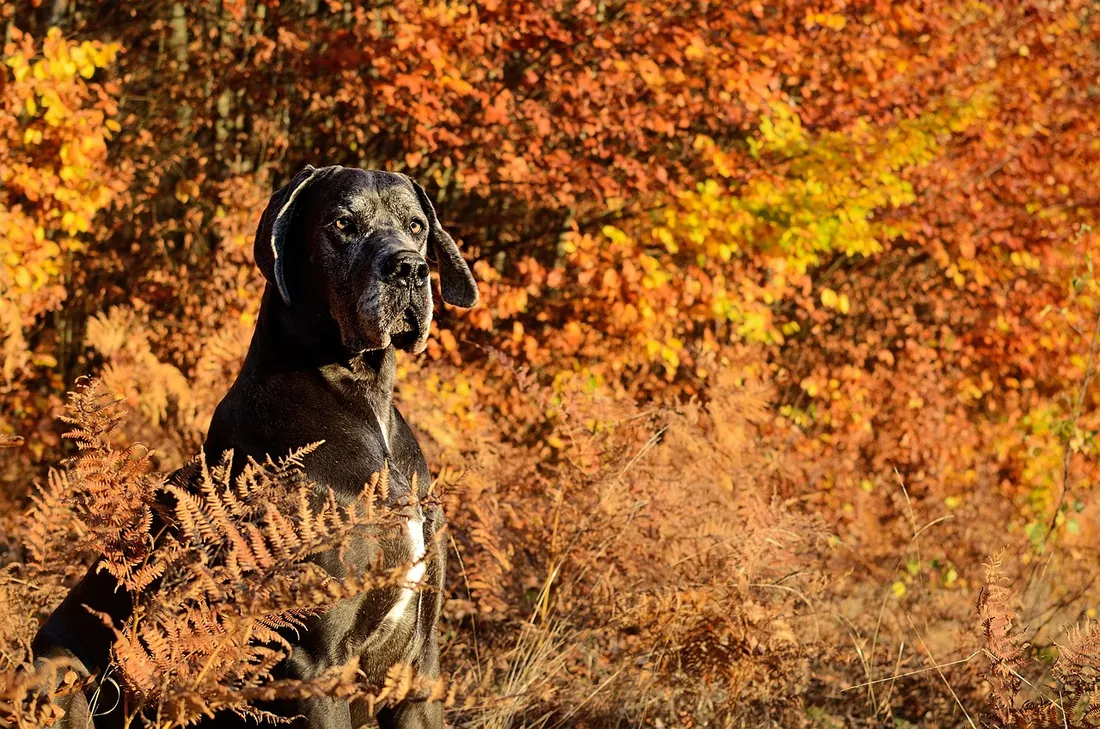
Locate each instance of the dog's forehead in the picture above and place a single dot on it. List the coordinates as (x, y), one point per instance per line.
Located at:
(373, 190)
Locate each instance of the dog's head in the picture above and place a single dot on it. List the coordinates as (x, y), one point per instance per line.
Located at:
(354, 243)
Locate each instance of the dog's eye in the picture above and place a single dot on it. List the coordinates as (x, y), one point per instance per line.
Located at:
(416, 227)
(344, 223)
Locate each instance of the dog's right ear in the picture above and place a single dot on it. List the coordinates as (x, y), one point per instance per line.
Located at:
(270, 246)
(456, 283)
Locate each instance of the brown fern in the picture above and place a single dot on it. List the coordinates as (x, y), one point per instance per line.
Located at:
(1078, 672)
(115, 486)
(51, 532)
(218, 567)
(1004, 648)
(29, 695)
(7, 440)
(231, 576)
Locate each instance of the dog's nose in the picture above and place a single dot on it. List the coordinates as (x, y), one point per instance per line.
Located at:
(406, 268)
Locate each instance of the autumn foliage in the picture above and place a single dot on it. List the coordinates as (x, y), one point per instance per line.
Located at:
(779, 408)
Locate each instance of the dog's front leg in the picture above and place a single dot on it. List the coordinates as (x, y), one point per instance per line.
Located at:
(75, 705)
(414, 712)
(325, 713)
(408, 714)
(318, 712)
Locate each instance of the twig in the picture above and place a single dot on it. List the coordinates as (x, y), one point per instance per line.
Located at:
(1067, 453)
(894, 679)
(915, 673)
(937, 667)
(473, 615)
(587, 698)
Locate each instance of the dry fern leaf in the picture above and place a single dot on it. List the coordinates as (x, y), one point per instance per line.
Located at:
(28, 694)
(8, 440)
(1005, 650)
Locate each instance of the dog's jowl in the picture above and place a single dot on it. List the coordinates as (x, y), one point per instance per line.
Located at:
(345, 253)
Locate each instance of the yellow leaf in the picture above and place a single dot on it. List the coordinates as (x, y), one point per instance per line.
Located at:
(898, 588)
(44, 360)
(447, 339)
(829, 298)
(702, 142)
(696, 51)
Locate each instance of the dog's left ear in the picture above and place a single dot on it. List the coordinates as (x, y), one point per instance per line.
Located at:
(455, 280)
(271, 235)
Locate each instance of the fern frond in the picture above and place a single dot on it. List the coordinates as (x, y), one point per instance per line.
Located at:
(1005, 650)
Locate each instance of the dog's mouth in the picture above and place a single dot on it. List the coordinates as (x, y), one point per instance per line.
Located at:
(407, 330)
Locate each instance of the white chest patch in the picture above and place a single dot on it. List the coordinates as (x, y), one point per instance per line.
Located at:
(385, 435)
(414, 574)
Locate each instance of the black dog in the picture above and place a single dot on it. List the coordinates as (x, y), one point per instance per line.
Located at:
(343, 251)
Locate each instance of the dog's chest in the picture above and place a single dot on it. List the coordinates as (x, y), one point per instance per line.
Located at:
(414, 574)
(362, 439)
(387, 621)
(384, 431)
(388, 625)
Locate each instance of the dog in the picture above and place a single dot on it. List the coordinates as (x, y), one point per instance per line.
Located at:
(345, 255)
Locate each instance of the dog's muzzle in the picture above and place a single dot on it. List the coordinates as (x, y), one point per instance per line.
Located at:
(405, 277)
(405, 268)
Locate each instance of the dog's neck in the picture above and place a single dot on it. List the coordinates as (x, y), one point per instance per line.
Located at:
(288, 341)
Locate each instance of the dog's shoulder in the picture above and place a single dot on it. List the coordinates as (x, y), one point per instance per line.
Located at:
(273, 414)
(406, 453)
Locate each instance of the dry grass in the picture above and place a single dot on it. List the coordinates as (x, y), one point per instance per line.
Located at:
(658, 566)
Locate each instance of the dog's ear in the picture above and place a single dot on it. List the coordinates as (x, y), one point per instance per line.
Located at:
(270, 246)
(455, 280)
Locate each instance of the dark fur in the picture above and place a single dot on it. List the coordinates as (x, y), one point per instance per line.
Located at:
(340, 297)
